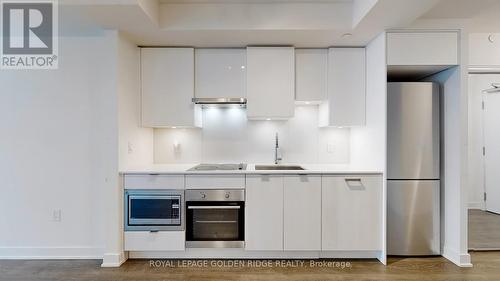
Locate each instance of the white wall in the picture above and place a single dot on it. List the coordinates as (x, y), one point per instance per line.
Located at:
(483, 52)
(58, 151)
(135, 143)
(368, 143)
(454, 165)
(227, 136)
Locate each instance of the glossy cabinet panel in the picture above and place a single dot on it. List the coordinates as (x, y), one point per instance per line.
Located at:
(167, 78)
(346, 101)
(220, 73)
(311, 68)
(270, 82)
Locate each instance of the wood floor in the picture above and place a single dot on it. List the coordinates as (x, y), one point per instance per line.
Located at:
(484, 230)
(486, 267)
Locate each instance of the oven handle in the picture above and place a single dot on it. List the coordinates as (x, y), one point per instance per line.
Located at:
(213, 207)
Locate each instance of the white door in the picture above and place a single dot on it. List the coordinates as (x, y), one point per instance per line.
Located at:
(351, 213)
(491, 127)
(302, 213)
(264, 213)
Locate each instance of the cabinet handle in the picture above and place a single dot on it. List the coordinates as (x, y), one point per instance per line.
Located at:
(212, 207)
(353, 179)
(153, 231)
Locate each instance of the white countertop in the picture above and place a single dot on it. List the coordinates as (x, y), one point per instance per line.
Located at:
(309, 169)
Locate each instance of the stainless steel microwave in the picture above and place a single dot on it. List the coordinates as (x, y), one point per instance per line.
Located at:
(153, 210)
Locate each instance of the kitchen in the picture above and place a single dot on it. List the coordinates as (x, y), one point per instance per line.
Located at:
(247, 146)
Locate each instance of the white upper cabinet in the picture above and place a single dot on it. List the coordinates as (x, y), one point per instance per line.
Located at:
(270, 82)
(422, 48)
(220, 73)
(352, 213)
(302, 213)
(167, 76)
(346, 98)
(311, 68)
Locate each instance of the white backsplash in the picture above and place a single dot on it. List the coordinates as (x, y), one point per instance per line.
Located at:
(228, 137)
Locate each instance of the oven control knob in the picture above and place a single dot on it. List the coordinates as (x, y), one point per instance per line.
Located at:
(227, 196)
(203, 195)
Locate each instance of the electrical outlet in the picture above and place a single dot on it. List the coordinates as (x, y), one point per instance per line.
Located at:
(330, 147)
(56, 215)
(130, 148)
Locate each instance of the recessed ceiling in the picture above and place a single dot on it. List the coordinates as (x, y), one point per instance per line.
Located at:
(238, 23)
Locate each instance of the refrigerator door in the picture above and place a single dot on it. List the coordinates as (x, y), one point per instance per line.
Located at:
(413, 130)
(413, 221)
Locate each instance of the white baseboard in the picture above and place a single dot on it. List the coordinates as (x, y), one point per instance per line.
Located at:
(37, 253)
(114, 259)
(462, 260)
(476, 205)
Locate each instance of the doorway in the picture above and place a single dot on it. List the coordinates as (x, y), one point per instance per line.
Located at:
(484, 163)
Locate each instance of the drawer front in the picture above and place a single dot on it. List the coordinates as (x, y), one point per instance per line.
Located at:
(215, 182)
(153, 182)
(154, 241)
(352, 213)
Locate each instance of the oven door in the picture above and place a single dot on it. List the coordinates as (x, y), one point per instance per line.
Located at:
(215, 224)
(153, 210)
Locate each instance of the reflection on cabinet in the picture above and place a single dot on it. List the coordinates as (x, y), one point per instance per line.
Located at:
(220, 73)
(270, 82)
(311, 68)
(302, 213)
(264, 213)
(422, 48)
(167, 76)
(351, 213)
(345, 105)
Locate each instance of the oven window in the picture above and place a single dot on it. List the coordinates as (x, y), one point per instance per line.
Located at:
(150, 208)
(216, 223)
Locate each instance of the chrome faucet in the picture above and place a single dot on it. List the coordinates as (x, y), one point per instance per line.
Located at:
(276, 148)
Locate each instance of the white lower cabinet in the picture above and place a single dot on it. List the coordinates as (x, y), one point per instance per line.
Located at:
(154, 241)
(264, 213)
(302, 213)
(351, 213)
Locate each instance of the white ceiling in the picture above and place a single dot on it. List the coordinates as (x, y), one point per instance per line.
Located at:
(238, 23)
(475, 15)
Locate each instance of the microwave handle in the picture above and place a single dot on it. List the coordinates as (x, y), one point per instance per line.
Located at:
(212, 207)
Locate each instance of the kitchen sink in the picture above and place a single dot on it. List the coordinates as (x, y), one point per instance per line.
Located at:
(278, 167)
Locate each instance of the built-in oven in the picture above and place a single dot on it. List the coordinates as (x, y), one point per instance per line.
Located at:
(154, 210)
(215, 218)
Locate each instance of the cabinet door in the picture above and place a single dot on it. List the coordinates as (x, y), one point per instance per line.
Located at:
(270, 82)
(302, 213)
(346, 88)
(264, 213)
(167, 76)
(311, 67)
(220, 73)
(422, 48)
(351, 213)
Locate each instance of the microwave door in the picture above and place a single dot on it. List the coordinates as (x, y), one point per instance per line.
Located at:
(154, 210)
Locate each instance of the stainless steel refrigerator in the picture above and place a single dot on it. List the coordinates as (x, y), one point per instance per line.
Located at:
(413, 169)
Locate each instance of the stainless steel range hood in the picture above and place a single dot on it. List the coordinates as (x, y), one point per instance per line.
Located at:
(220, 101)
